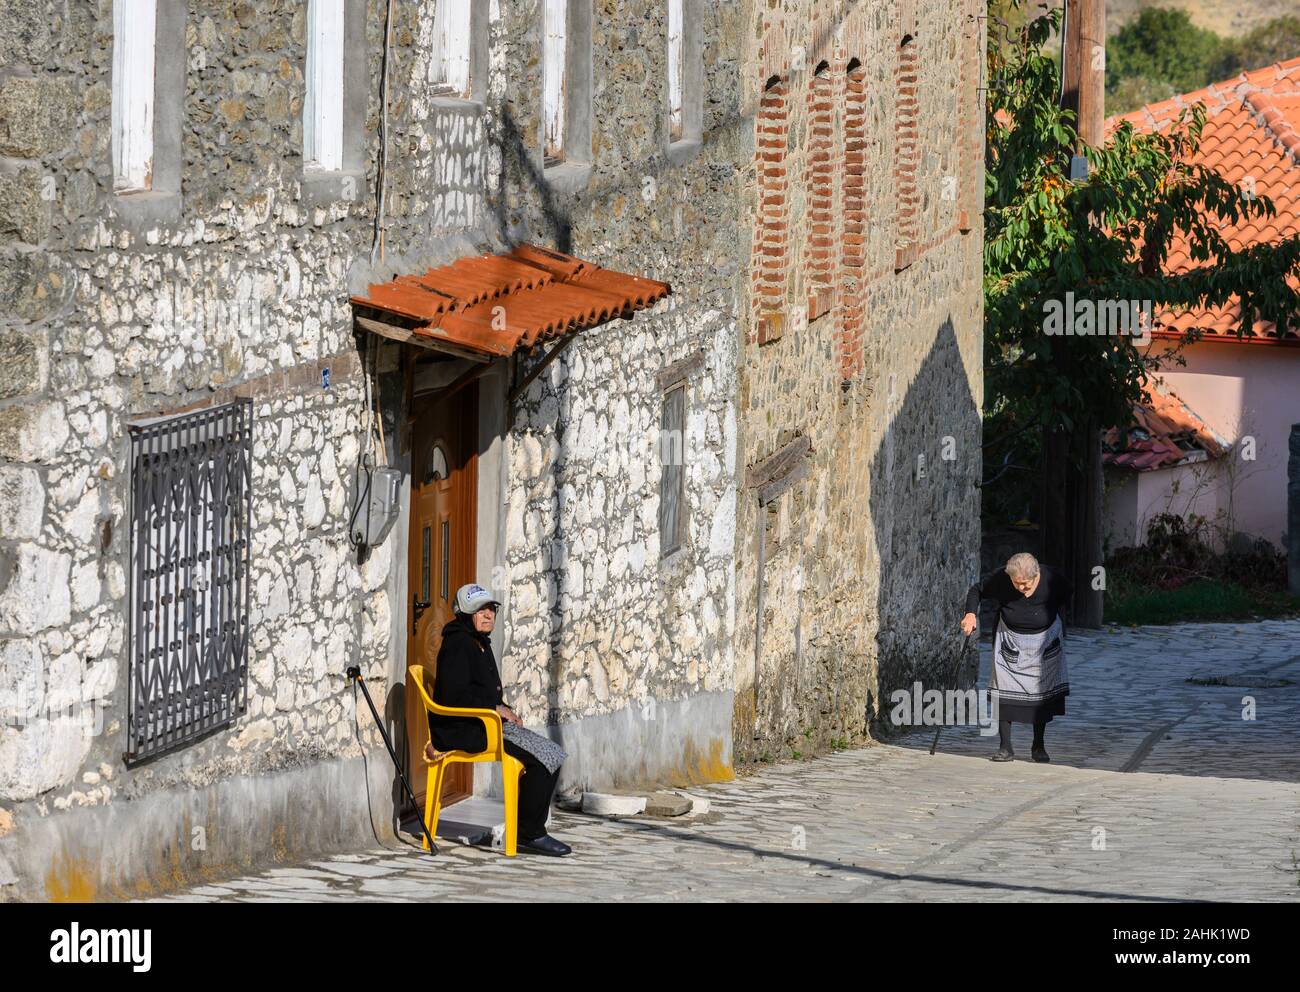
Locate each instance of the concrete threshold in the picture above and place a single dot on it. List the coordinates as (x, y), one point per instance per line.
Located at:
(471, 821)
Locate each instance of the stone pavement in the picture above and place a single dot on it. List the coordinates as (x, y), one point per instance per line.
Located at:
(1158, 790)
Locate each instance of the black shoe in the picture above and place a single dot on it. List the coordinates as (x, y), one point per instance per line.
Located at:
(546, 844)
(1004, 754)
(1040, 754)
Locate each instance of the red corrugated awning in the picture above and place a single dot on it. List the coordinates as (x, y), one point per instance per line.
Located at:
(494, 305)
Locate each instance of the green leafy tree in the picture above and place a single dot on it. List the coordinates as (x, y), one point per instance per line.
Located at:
(1163, 45)
(1276, 41)
(1104, 238)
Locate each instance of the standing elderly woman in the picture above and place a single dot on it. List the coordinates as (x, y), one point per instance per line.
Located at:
(1029, 679)
(467, 677)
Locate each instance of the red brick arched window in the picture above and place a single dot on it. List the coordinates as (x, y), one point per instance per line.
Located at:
(906, 153)
(770, 235)
(970, 122)
(819, 183)
(853, 251)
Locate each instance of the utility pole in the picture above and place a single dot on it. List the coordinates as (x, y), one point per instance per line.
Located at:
(1073, 487)
(1084, 91)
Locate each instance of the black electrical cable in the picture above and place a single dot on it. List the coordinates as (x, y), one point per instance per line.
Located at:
(362, 499)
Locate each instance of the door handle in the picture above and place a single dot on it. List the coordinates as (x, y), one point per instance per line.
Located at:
(417, 607)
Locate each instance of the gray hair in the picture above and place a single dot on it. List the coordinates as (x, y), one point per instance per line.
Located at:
(1022, 566)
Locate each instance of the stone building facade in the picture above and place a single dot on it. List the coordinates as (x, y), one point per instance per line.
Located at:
(860, 363)
(230, 279)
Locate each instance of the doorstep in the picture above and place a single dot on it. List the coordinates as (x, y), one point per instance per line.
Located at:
(470, 821)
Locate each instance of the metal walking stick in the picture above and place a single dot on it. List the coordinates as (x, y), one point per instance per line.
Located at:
(956, 675)
(354, 673)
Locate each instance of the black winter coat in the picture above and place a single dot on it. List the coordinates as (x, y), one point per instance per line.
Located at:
(467, 677)
(1024, 615)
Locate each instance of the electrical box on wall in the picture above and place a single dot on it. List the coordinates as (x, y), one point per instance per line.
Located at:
(377, 505)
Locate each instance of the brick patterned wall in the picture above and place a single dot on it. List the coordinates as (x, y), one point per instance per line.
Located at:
(853, 253)
(770, 270)
(820, 166)
(861, 553)
(906, 153)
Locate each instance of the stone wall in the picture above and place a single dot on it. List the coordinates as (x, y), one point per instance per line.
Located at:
(118, 315)
(238, 286)
(849, 578)
(598, 623)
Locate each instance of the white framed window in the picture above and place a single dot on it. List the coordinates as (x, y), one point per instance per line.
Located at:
(453, 33)
(322, 112)
(685, 72)
(676, 64)
(135, 33)
(566, 92)
(555, 69)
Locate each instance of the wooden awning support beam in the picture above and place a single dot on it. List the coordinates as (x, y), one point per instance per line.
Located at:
(407, 336)
(540, 367)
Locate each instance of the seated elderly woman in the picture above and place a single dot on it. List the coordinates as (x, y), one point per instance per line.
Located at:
(467, 677)
(1028, 679)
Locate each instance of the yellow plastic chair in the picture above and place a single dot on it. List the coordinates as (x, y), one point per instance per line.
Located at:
(511, 767)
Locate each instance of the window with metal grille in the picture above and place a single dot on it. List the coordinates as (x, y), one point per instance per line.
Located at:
(191, 510)
(672, 484)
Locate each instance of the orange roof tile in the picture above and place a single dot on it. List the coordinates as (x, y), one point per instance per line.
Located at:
(537, 293)
(1251, 135)
(1164, 432)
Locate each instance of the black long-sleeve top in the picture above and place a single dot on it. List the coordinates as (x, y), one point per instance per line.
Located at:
(1023, 614)
(467, 677)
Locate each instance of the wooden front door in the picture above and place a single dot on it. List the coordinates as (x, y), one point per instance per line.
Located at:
(444, 489)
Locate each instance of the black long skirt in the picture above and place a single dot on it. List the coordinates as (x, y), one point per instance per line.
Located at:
(1031, 712)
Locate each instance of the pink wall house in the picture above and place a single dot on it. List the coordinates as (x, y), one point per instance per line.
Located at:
(1242, 392)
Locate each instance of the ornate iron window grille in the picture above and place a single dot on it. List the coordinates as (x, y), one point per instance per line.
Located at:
(191, 513)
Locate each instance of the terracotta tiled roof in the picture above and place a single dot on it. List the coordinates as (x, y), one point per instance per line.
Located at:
(542, 294)
(1252, 134)
(1164, 432)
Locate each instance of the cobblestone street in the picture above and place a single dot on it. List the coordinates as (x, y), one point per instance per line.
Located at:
(1158, 790)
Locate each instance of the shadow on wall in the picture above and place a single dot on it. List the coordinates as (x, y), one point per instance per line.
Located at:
(459, 171)
(925, 510)
(519, 167)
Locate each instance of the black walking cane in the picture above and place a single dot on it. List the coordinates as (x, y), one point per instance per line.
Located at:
(961, 663)
(354, 673)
